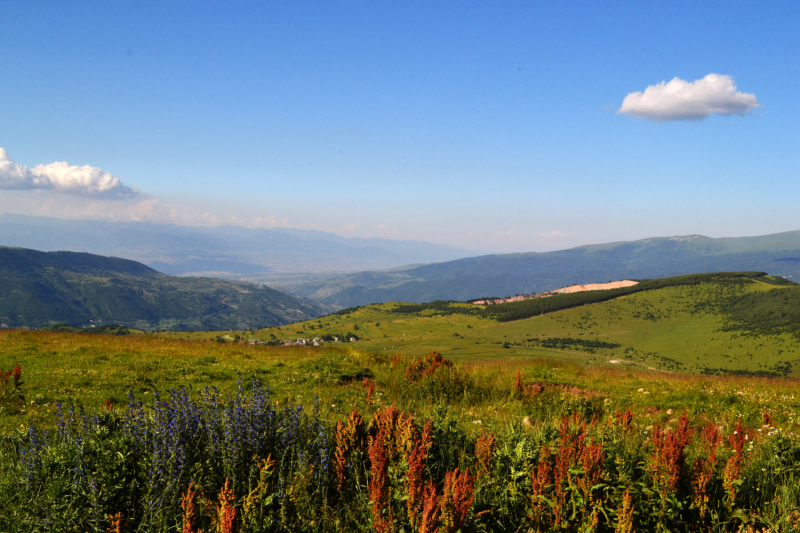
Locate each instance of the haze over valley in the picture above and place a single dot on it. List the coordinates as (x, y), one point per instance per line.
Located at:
(223, 251)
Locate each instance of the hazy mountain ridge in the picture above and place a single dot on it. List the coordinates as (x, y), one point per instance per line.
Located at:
(509, 274)
(41, 288)
(224, 251)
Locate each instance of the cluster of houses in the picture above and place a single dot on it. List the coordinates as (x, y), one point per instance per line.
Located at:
(305, 342)
(316, 341)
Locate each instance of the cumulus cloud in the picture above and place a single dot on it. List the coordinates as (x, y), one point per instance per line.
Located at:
(62, 178)
(682, 100)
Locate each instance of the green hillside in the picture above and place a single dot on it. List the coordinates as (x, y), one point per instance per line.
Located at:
(595, 382)
(509, 274)
(713, 323)
(38, 289)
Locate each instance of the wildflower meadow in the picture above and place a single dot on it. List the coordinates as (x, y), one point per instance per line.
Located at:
(426, 445)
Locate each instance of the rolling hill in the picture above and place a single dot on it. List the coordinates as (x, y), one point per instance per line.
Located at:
(604, 385)
(42, 288)
(736, 322)
(510, 274)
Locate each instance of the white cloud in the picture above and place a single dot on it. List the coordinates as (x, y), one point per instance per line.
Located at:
(60, 177)
(152, 210)
(351, 228)
(130, 209)
(555, 234)
(682, 100)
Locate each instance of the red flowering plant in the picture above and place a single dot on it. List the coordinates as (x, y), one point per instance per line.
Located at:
(11, 385)
(703, 472)
(733, 468)
(666, 468)
(566, 483)
(350, 438)
(397, 475)
(426, 366)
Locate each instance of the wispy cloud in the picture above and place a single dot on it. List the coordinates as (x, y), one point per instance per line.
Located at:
(136, 209)
(351, 228)
(682, 100)
(555, 234)
(63, 178)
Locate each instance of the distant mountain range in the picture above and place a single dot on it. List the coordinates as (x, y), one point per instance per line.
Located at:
(42, 288)
(511, 274)
(230, 252)
(303, 263)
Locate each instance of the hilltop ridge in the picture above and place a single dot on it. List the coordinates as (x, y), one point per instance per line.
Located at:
(527, 273)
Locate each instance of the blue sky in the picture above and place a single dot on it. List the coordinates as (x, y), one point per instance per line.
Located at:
(492, 126)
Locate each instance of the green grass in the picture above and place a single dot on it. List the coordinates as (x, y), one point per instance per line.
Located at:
(681, 328)
(649, 351)
(86, 370)
(476, 393)
(709, 327)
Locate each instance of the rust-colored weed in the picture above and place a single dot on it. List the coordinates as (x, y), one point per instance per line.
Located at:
(189, 506)
(517, 387)
(540, 481)
(703, 471)
(370, 386)
(415, 485)
(350, 437)
(484, 452)
(625, 514)
(426, 366)
(570, 444)
(400, 432)
(116, 524)
(456, 500)
(734, 466)
(16, 374)
(379, 487)
(429, 517)
(591, 458)
(668, 454)
(624, 420)
(226, 511)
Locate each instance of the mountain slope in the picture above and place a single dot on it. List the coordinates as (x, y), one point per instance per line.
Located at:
(737, 322)
(228, 251)
(41, 288)
(508, 274)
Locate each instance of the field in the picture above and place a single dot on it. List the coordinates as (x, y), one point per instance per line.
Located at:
(519, 425)
(677, 329)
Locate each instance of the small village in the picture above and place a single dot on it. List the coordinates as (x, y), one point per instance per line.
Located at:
(316, 341)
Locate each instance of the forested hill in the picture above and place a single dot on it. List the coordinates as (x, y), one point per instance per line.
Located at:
(510, 274)
(41, 288)
(22, 260)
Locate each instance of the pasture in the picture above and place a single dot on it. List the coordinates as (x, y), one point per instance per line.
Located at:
(519, 425)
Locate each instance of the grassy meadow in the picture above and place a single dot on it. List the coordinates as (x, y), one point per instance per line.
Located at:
(520, 425)
(676, 329)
